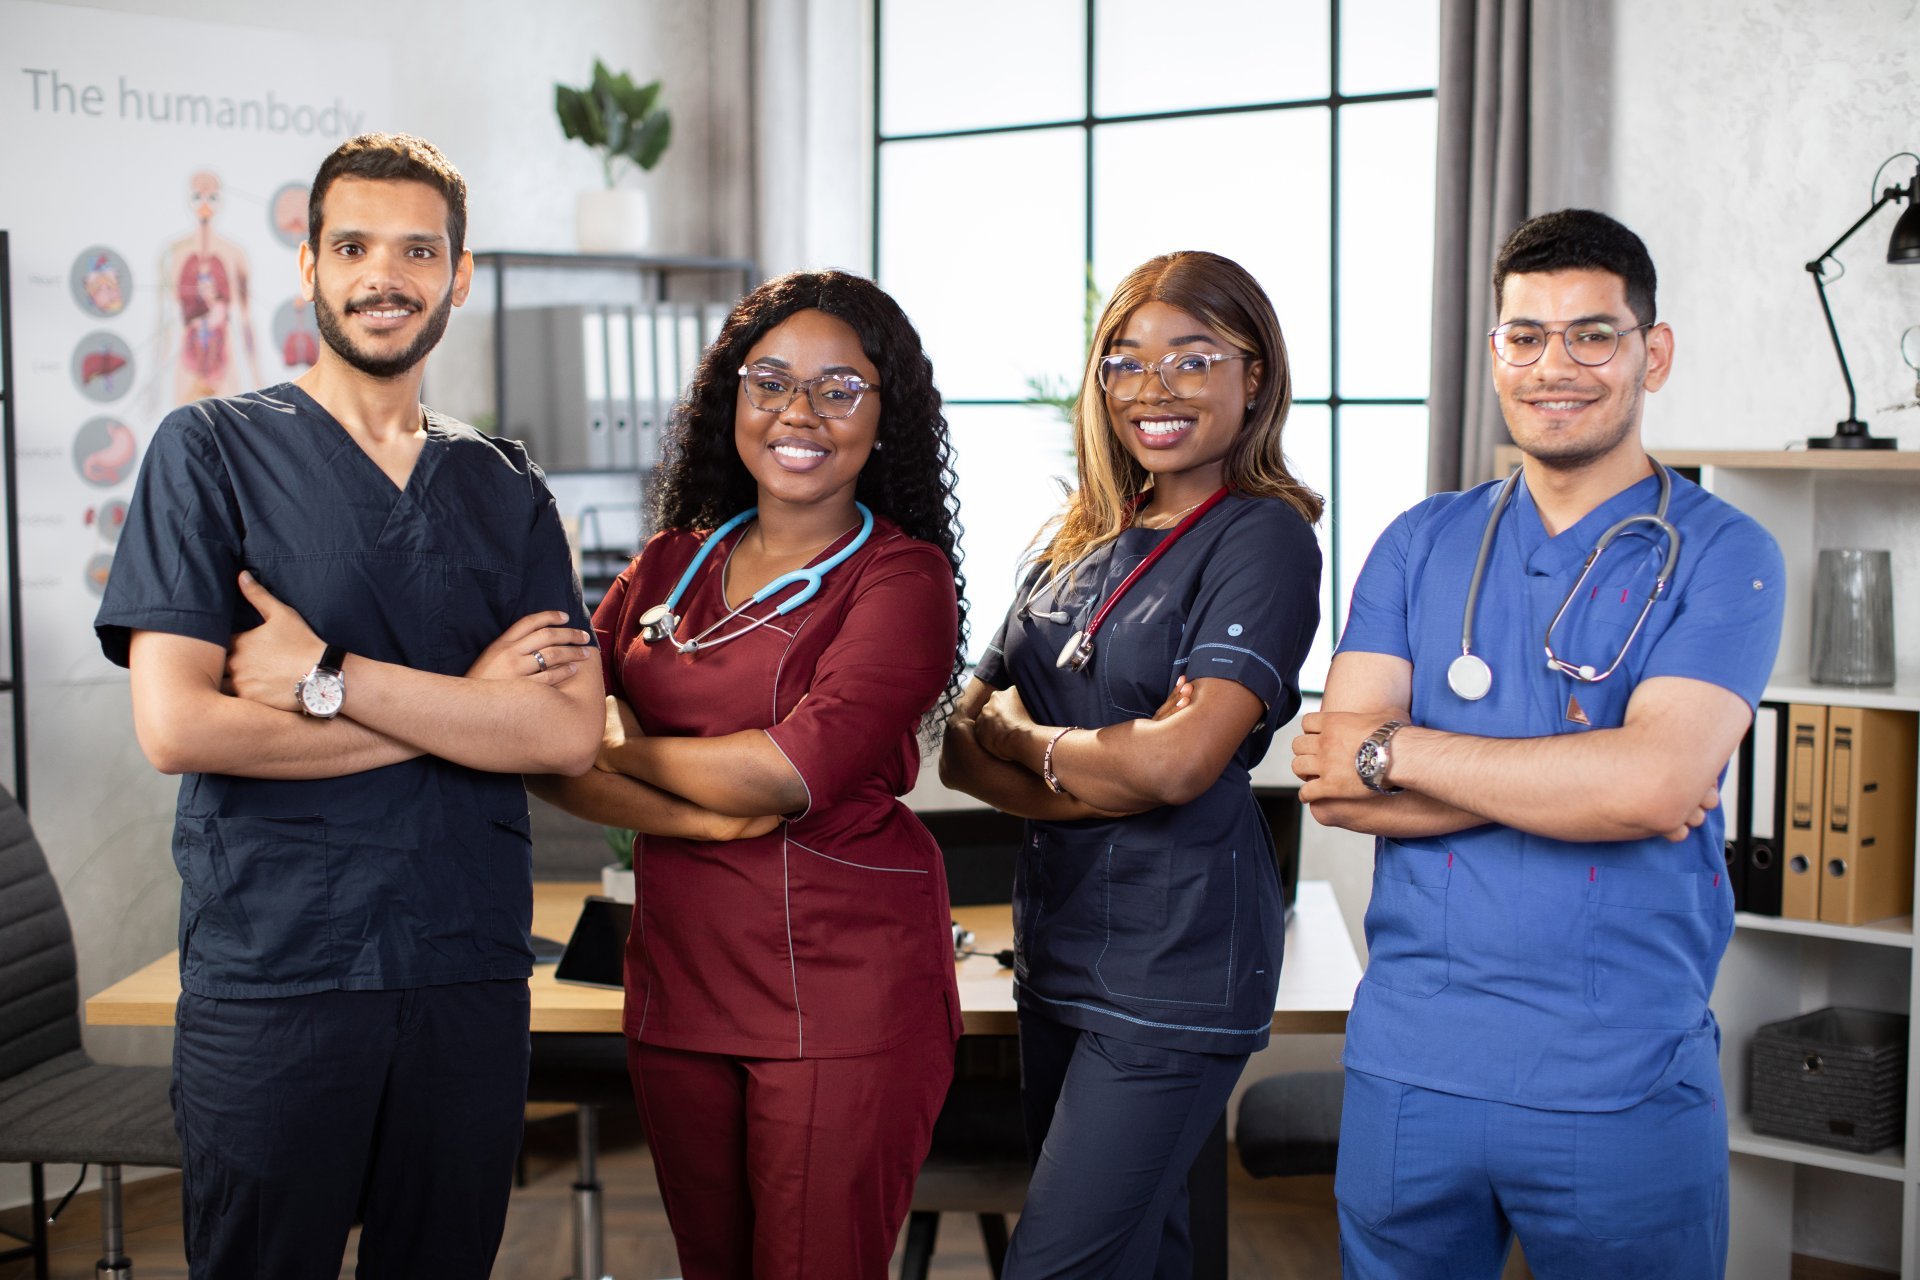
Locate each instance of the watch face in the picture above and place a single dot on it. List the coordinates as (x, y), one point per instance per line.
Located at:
(1367, 762)
(322, 692)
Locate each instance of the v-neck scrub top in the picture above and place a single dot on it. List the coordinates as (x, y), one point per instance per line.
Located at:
(415, 874)
(1513, 967)
(829, 936)
(1165, 927)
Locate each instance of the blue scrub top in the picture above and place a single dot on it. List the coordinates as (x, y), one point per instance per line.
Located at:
(1165, 927)
(1514, 967)
(415, 874)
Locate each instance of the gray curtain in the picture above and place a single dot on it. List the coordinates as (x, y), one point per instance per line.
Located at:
(1524, 98)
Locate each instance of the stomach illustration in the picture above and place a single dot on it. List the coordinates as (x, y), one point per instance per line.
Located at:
(108, 464)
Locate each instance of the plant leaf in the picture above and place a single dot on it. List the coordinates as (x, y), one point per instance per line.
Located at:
(650, 139)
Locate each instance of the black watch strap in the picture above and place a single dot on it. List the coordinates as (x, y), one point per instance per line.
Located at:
(335, 655)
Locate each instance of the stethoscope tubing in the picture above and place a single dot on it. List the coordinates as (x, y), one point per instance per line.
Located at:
(1581, 672)
(808, 579)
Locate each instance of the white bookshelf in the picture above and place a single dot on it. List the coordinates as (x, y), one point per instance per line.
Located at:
(1777, 968)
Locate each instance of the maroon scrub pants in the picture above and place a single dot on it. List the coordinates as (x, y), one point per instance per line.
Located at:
(778, 1168)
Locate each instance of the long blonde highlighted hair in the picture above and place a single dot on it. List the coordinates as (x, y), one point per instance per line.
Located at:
(1223, 296)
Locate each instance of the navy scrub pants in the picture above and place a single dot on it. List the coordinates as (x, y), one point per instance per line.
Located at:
(298, 1115)
(1114, 1127)
(1434, 1186)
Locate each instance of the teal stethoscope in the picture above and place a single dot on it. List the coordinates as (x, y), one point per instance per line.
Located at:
(660, 622)
(1469, 675)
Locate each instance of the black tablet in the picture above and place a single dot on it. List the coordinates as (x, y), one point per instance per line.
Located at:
(596, 952)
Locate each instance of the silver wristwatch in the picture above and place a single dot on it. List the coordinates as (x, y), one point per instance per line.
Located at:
(1373, 760)
(323, 690)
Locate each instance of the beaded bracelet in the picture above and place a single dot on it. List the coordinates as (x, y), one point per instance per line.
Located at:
(1047, 775)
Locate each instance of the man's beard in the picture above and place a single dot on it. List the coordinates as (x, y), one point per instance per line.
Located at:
(335, 333)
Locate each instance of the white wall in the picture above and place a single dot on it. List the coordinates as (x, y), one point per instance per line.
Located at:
(1745, 133)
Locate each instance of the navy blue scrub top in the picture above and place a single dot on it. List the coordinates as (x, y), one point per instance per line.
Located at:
(1165, 927)
(415, 874)
(1550, 973)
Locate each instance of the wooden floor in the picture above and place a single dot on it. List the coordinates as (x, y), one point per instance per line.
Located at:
(1281, 1228)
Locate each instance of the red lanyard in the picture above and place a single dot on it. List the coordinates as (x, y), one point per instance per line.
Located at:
(1079, 647)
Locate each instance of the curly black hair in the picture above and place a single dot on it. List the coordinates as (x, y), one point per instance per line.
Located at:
(702, 481)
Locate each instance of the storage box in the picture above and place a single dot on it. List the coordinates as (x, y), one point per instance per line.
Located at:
(1837, 1077)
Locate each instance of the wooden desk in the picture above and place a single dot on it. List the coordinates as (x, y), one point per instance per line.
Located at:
(1316, 981)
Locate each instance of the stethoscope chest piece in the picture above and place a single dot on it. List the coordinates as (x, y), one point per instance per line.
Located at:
(1076, 653)
(657, 623)
(1469, 676)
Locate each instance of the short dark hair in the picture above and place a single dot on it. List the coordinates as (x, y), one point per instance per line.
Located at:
(391, 157)
(1578, 240)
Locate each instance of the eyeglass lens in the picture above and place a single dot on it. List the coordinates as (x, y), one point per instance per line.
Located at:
(830, 396)
(1182, 373)
(1522, 344)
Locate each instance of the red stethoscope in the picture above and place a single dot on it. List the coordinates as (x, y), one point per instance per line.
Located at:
(1078, 650)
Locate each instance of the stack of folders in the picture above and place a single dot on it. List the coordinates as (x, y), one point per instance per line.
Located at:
(1820, 813)
(591, 388)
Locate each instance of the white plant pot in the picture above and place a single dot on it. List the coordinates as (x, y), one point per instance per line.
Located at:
(616, 882)
(615, 221)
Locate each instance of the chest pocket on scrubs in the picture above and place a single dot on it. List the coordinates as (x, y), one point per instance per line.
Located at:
(476, 604)
(1407, 919)
(1135, 665)
(1650, 929)
(1170, 917)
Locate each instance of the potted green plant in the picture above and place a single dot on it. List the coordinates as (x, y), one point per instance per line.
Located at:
(616, 878)
(626, 124)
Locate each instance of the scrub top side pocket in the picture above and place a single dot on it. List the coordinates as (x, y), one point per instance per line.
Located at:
(1406, 922)
(1171, 920)
(1648, 930)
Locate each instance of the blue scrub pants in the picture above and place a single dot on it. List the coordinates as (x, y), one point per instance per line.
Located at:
(1114, 1128)
(1433, 1186)
(297, 1115)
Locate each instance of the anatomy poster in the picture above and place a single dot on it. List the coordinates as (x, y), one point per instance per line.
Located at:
(153, 180)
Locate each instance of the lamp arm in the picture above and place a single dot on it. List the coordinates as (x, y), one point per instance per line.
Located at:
(1820, 286)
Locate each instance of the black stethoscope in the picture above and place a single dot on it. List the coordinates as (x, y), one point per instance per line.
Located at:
(660, 622)
(1469, 675)
(1078, 650)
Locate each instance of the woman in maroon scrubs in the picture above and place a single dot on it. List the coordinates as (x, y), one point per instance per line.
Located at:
(791, 1006)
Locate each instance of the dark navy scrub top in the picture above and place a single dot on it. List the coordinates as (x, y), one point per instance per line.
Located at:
(1549, 973)
(1165, 927)
(414, 874)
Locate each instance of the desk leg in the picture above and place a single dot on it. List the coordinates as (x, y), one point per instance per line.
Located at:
(1207, 1205)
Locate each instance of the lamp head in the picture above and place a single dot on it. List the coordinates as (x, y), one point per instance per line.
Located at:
(1904, 246)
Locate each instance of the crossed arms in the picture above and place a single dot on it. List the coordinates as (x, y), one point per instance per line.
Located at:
(1655, 775)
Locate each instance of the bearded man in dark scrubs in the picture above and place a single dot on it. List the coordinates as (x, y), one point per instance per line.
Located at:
(351, 624)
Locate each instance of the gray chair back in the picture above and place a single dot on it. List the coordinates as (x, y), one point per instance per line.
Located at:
(39, 985)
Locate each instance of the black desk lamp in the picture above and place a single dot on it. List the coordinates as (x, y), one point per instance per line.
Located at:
(1902, 249)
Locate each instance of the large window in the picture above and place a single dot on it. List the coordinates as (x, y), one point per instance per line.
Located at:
(1028, 153)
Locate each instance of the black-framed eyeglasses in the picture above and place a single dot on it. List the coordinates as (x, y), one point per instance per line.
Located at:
(1182, 373)
(831, 395)
(1590, 343)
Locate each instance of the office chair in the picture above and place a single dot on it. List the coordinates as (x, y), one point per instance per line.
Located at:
(57, 1105)
(1290, 1124)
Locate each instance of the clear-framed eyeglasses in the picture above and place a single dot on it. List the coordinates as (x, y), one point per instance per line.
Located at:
(831, 395)
(1182, 373)
(1590, 343)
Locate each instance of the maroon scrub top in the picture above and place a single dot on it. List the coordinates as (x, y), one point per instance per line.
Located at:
(829, 936)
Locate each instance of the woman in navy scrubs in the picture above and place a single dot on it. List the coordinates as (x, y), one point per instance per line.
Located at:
(1154, 649)
(791, 1006)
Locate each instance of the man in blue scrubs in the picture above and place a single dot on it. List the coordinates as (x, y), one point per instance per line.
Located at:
(351, 623)
(1531, 1050)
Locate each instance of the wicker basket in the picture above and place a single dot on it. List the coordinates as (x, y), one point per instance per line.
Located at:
(1837, 1077)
